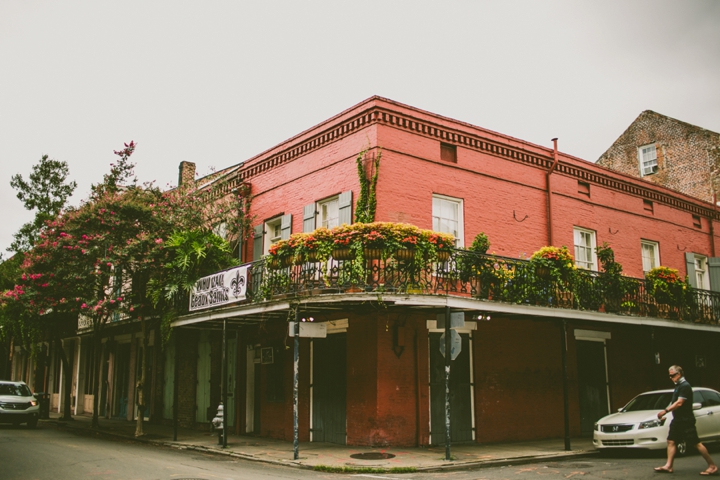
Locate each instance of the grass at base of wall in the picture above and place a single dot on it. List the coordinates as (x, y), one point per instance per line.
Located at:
(327, 468)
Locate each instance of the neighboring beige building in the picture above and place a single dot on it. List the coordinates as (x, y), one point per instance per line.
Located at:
(670, 153)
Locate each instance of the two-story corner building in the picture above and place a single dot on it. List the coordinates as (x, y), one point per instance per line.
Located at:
(668, 152)
(526, 346)
(377, 378)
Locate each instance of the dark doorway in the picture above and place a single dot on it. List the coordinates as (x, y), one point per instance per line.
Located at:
(329, 388)
(592, 384)
(461, 425)
(122, 379)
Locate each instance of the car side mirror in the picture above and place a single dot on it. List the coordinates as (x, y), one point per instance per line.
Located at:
(697, 406)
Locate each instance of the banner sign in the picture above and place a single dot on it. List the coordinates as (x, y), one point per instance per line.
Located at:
(84, 322)
(219, 289)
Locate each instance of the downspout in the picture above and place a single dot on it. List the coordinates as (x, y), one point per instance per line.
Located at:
(549, 192)
(712, 228)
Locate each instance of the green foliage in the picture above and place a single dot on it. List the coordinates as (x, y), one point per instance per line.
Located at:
(46, 191)
(241, 226)
(611, 285)
(186, 257)
(367, 201)
(122, 173)
(667, 286)
(385, 236)
(96, 260)
(331, 469)
(474, 263)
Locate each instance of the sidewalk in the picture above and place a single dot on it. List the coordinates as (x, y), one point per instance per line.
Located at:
(334, 456)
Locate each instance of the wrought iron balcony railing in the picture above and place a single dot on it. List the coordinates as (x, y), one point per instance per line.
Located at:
(492, 278)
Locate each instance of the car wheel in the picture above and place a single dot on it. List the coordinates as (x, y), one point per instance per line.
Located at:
(32, 423)
(681, 448)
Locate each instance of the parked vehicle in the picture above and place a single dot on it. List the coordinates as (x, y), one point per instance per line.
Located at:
(636, 424)
(17, 404)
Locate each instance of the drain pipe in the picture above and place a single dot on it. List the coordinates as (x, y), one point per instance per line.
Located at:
(712, 228)
(566, 395)
(549, 192)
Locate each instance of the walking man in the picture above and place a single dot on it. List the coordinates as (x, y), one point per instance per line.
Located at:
(682, 427)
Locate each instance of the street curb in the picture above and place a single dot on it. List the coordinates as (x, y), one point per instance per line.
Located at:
(504, 462)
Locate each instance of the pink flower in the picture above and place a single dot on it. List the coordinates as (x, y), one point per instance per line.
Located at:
(158, 240)
(84, 305)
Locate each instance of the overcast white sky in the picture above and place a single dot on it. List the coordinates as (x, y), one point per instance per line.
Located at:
(216, 82)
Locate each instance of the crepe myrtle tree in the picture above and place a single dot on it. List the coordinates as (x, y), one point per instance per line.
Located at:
(96, 261)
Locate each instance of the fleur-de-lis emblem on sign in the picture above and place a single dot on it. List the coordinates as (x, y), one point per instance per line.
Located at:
(237, 284)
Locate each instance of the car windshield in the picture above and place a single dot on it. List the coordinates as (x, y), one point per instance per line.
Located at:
(649, 401)
(17, 390)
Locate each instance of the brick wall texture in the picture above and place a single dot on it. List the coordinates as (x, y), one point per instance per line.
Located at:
(688, 156)
(502, 183)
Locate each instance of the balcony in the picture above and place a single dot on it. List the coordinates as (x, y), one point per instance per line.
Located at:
(491, 278)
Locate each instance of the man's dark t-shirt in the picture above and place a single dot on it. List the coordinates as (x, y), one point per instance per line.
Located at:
(685, 411)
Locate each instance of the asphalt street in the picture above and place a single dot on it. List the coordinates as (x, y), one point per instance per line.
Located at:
(52, 453)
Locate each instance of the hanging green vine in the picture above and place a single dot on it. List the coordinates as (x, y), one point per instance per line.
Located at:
(367, 202)
(242, 229)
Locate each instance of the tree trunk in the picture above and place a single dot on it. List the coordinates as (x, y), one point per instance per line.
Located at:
(140, 387)
(67, 376)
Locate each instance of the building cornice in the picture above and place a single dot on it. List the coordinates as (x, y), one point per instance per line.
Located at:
(377, 111)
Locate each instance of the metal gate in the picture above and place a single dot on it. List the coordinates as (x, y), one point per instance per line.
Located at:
(461, 421)
(329, 381)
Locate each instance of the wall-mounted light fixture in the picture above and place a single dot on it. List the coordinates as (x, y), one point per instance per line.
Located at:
(483, 317)
(308, 319)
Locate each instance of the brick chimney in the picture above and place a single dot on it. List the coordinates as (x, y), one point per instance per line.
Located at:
(187, 173)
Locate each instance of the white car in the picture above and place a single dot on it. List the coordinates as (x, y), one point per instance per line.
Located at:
(636, 424)
(17, 404)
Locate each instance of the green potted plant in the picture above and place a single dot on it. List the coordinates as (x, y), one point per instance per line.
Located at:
(611, 283)
(552, 274)
(667, 286)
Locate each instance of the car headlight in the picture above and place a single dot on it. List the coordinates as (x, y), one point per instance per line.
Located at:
(595, 427)
(33, 402)
(652, 424)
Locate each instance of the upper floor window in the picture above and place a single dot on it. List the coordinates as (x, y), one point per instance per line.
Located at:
(221, 230)
(585, 256)
(650, 255)
(273, 233)
(329, 213)
(269, 232)
(447, 214)
(701, 272)
(647, 156)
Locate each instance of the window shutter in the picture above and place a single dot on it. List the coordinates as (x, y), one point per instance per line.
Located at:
(285, 226)
(714, 269)
(258, 233)
(690, 263)
(309, 218)
(345, 207)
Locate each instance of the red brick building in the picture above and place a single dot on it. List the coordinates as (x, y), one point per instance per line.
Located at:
(357, 386)
(378, 376)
